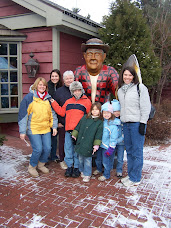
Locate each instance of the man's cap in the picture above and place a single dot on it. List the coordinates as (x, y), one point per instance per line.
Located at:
(94, 43)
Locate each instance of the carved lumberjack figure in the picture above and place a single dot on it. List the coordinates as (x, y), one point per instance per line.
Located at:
(98, 80)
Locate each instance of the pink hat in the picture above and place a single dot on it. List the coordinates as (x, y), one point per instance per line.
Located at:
(107, 107)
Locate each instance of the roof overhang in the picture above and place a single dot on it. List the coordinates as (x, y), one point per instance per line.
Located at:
(10, 35)
(47, 13)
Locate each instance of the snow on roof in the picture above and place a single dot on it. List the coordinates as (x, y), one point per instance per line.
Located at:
(73, 15)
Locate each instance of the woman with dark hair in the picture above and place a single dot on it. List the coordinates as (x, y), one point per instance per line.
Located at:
(53, 84)
(135, 110)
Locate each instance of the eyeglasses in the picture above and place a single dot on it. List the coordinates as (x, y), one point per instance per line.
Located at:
(96, 53)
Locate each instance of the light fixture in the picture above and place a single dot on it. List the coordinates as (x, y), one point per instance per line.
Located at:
(32, 66)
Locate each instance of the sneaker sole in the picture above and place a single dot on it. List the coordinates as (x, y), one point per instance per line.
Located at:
(68, 175)
(124, 179)
(86, 181)
(131, 185)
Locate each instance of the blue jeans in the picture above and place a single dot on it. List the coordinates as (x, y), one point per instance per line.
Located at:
(41, 145)
(120, 154)
(53, 155)
(71, 157)
(85, 165)
(134, 143)
(107, 162)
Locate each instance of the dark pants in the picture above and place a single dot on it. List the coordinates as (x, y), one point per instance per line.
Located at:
(61, 134)
(53, 155)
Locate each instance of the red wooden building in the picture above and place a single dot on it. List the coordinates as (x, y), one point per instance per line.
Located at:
(53, 33)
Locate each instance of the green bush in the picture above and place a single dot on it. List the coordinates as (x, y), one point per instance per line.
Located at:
(2, 139)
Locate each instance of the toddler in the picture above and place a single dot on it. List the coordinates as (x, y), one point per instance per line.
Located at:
(119, 150)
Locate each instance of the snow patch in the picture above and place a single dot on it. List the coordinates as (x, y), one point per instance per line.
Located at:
(10, 160)
(35, 222)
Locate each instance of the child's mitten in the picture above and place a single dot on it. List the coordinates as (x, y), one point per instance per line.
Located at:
(109, 151)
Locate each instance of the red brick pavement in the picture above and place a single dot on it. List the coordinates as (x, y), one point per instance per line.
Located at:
(55, 201)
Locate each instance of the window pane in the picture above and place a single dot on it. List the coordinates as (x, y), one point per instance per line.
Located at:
(3, 63)
(13, 62)
(3, 49)
(9, 78)
(13, 76)
(14, 89)
(14, 102)
(4, 76)
(13, 49)
(4, 89)
(5, 102)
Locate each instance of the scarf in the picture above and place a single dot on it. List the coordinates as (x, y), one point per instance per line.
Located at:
(125, 87)
(42, 95)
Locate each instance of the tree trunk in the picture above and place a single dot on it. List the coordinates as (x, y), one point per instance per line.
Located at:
(152, 92)
(160, 89)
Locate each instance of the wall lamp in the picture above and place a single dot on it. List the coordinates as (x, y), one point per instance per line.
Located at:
(32, 66)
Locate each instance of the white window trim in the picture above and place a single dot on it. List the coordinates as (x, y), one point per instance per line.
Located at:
(19, 67)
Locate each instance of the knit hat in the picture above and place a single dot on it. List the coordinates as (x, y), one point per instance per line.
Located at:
(76, 85)
(115, 105)
(107, 107)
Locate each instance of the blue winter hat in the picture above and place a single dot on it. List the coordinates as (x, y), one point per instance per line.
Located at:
(115, 105)
(107, 107)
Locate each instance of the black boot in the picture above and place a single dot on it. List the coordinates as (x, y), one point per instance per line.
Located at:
(69, 172)
(76, 173)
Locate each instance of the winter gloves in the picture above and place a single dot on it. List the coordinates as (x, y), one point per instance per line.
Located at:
(109, 151)
(142, 128)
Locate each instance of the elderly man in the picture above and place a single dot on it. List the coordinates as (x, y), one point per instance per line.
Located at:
(61, 95)
(98, 80)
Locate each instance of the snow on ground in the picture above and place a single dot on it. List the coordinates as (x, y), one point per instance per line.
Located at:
(158, 181)
(35, 222)
(10, 160)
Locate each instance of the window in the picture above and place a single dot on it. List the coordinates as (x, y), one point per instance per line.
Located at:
(9, 76)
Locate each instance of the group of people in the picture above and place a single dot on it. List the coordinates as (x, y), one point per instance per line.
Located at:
(86, 121)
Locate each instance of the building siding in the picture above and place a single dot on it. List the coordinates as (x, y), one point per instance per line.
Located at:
(70, 52)
(38, 41)
(9, 8)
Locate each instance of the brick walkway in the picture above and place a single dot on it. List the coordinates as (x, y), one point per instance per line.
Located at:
(55, 201)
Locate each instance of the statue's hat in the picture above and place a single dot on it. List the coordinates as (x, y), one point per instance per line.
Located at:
(95, 44)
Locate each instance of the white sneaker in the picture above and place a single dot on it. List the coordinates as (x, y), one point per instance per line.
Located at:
(82, 175)
(63, 165)
(124, 179)
(96, 172)
(102, 178)
(130, 183)
(86, 178)
(119, 175)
